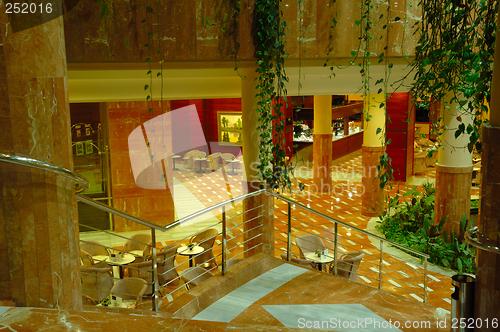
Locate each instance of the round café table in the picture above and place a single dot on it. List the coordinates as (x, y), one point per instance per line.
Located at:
(232, 161)
(127, 259)
(320, 261)
(200, 160)
(185, 251)
(173, 161)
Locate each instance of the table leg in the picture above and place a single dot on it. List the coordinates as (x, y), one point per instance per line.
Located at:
(190, 261)
(121, 271)
(233, 172)
(200, 168)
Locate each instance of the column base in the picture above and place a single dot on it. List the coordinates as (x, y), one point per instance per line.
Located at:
(258, 221)
(322, 162)
(373, 196)
(452, 197)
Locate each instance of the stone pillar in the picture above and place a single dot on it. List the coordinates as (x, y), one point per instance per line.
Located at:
(259, 222)
(373, 197)
(39, 251)
(322, 144)
(453, 171)
(487, 288)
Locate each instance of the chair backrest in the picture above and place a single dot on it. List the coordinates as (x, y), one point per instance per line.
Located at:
(214, 160)
(166, 265)
(309, 243)
(299, 261)
(88, 300)
(227, 156)
(143, 270)
(94, 248)
(200, 154)
(347, 266)
(137, 242)
(190, 153)
(130, 288)
(86, 259)
(165, 268)
(205, 239)
(96, 282)
(194, 276)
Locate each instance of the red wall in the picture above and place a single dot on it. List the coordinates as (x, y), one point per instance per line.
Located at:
(401, 133)
(207, 115)
(152, 205)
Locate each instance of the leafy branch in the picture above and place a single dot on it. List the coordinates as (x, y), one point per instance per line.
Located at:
(269, 31)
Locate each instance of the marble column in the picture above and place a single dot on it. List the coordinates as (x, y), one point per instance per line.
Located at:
(487, 288)
(453, 171)
(372, 200)
(39, 255)
(258, 234)
(322, 144)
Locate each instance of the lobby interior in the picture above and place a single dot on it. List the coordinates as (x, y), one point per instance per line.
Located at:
(78, 70)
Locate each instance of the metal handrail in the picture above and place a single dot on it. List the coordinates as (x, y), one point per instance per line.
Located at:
(109, 209)
(302, 206)
(221, 204)
(33, 163)
(44, 166)
(213, 207)
(474, 242)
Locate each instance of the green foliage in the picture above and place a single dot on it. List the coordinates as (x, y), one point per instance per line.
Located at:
(227, 16)
(269, 31)
(454, 54)
(411, 223)
(363, 57)
(152, 26)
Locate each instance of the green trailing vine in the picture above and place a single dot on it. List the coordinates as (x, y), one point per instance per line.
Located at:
(269, 31)
(362, 57)
(454, 54)
(151, 20)
(227, 16)
(332, 28)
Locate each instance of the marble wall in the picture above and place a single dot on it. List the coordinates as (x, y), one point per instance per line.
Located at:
(153, 205)
(120, 35)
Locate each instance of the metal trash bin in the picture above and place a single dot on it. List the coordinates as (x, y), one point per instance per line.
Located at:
(462, 301)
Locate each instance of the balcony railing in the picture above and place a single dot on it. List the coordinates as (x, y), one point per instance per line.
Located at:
(240, 237)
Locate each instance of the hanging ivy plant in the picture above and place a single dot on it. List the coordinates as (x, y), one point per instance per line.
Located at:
(227, 16)
(268, 33)
(153, 19)
(363, 57)
(455, 54)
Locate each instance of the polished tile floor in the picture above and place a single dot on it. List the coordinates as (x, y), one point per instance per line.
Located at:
(286, 298)
(402, 274)
(403, 277)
